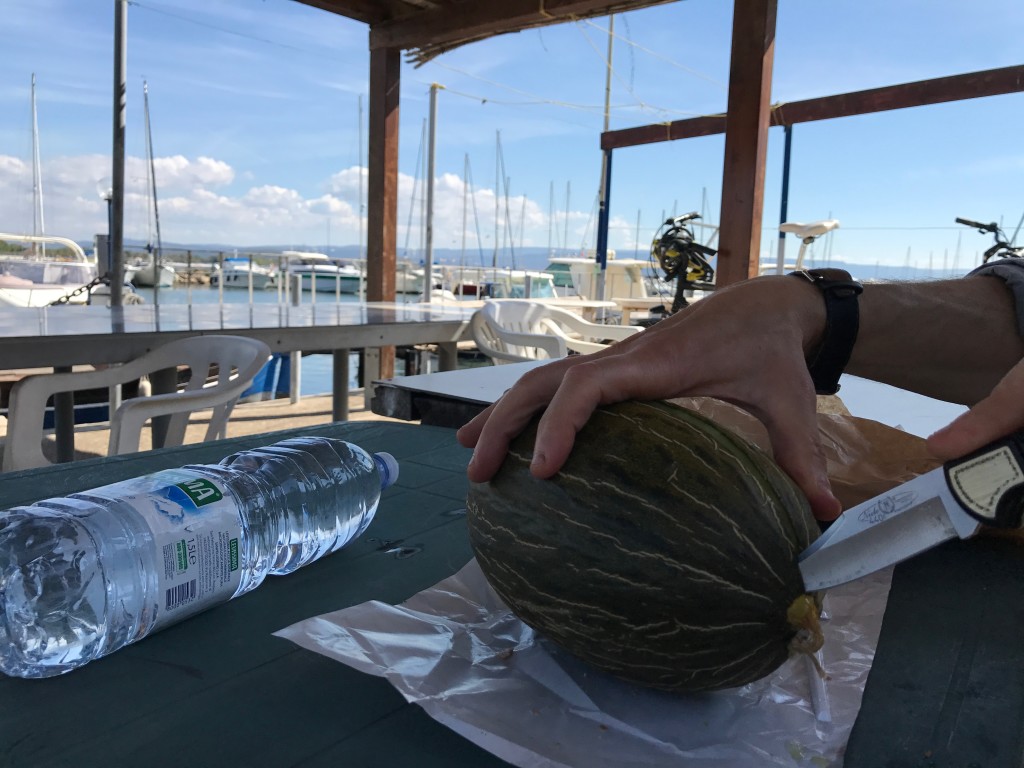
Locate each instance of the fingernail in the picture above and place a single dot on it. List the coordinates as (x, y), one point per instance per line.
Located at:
(538, 460)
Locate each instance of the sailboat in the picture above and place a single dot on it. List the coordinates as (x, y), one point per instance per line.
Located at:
(152, 272)
(32, 276)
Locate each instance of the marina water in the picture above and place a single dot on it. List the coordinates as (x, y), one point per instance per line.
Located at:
(84, 575)
(316, 369)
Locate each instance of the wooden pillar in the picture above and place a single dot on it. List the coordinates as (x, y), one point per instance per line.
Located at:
(746, 139)
(382, 187)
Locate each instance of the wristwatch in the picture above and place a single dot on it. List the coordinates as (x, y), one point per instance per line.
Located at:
(842, 320)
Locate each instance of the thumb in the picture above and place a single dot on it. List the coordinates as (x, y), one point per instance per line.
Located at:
(996, 416)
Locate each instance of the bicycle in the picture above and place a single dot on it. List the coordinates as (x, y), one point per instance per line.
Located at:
(1003, 249)
(682, 258)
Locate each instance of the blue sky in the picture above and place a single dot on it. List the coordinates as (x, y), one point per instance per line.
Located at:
(255, 117)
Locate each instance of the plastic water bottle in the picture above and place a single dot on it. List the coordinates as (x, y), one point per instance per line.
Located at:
(87, 574)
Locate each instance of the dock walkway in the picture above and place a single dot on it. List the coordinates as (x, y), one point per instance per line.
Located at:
(246, 419)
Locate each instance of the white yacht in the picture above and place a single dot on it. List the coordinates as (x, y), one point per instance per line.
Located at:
(500, 283)
(624, 278)
(242, 273)
(409, 278)
(50, 269)
(319, 272)
(147, 275)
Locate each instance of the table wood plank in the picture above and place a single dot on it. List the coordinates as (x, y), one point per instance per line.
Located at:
(219, 688)
(946, 689)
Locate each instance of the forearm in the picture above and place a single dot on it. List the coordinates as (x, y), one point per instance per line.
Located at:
(952, 340)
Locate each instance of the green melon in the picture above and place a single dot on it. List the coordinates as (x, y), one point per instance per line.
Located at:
(663, 552)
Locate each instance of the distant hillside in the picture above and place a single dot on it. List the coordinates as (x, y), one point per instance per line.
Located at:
(523, 258)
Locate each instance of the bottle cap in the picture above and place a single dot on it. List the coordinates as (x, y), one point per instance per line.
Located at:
(388, 466)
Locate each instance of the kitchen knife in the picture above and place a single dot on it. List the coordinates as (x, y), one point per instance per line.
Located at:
(984, 488)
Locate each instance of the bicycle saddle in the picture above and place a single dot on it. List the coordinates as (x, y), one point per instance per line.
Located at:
(807, 232)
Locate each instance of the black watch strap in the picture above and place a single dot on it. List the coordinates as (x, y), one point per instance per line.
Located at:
(842, 321)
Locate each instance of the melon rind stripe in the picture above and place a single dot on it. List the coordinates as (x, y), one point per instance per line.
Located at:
(640, 558)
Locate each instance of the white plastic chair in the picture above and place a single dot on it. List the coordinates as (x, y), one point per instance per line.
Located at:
(238, 359)
(514, 330)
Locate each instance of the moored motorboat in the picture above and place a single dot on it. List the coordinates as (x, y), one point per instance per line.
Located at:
(147, 275)
(320, 273)
(499, 283)
(50, 269)
(243, 273)
(409, 278)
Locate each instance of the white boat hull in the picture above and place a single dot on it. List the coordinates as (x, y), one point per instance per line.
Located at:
(243, 278)
(28, 294)
(58, 268)
(144, 276)
(322, 282)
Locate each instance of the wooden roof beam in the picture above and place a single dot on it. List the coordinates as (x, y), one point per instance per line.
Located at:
(746, 139)
(467, 21)
(366, 11)
(991, 82)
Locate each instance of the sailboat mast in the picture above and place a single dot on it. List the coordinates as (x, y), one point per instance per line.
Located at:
(636, 240)
(428, 256)
(497, 186)
(38, 224)
(362, 208)
(149, 175)
(601, 249)
(465, 209)
(551, 216)
(565, 223)
(117, 160)
(157, 266)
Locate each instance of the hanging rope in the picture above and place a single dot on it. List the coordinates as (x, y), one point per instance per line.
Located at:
(420, 55)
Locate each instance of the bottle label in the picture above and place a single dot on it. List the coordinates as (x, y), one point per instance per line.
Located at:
(196, 530)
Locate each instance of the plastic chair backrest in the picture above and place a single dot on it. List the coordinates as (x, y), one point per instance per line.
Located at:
(237, 360)
(513, 330)
(510, 332)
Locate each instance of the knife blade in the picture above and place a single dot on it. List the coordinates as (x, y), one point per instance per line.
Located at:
(984, 488)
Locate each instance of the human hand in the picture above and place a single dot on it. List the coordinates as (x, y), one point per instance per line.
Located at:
(991, 418)
(744, 344)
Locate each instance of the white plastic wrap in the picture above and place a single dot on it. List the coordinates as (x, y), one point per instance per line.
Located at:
(458, 652)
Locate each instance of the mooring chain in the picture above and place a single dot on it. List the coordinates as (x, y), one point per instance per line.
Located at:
(80, 290)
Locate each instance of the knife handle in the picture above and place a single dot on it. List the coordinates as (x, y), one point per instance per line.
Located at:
(989, 483)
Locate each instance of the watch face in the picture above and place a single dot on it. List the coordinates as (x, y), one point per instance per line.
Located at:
(834, 275)
(827, 279)
(806, 274)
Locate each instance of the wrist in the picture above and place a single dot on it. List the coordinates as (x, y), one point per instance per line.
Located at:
(829, 346)
(805, 314)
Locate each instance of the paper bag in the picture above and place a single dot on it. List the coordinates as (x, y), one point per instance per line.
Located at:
(864, 457)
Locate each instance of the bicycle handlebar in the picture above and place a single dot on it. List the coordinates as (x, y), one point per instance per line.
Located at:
(684, 218)
(993, 227)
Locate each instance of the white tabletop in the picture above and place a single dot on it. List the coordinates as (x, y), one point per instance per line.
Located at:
(70, 335)
(911, 412)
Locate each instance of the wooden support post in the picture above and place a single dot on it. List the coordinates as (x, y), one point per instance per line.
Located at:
(746, 139)
(382, 187)
(340, 376)
(164, 381)
(64, 421)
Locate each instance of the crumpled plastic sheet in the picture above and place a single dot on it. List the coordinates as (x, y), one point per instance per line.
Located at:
(457, 651)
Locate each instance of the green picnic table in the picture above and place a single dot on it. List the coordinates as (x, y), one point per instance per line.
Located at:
(946, 688)
(219, 688)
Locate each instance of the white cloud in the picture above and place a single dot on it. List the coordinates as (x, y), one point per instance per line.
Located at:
(179, 171)
(199, 204)
(270, 196)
